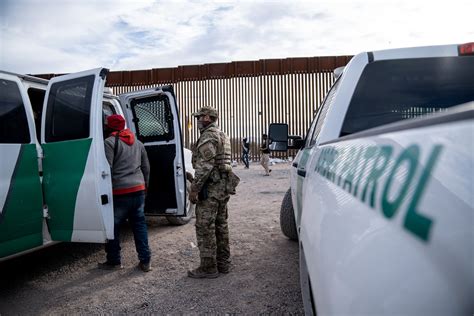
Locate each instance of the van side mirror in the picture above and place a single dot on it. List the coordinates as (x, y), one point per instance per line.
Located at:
(278, 135)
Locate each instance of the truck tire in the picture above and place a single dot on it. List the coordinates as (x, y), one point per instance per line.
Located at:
(177, 221)
(287, 217)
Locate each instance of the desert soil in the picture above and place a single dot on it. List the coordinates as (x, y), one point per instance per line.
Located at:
(64, 279)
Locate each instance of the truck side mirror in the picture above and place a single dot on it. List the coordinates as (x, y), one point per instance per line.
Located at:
(278, 135)
(295, 142)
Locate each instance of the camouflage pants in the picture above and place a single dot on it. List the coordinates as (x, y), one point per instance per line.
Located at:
(212, 231)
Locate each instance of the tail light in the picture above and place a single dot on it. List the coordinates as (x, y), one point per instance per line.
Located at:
(466, 49)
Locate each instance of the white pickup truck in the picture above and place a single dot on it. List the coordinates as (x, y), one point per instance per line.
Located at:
(382, 190)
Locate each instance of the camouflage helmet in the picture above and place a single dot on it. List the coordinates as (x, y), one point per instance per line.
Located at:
(206, 110)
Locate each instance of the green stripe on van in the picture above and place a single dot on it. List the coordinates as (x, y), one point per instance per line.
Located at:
(21, 224)
(63, 168)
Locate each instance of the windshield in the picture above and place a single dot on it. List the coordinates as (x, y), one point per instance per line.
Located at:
(392, 90)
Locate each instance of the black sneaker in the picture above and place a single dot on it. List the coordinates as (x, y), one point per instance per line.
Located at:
(145, 267)
(109, 266)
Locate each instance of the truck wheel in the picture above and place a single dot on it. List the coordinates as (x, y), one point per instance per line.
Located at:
(287, 217)
(190, 208)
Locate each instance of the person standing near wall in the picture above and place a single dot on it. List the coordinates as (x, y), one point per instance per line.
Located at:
(130, 171)
(265, 159)
(245, 152)
(210, 189)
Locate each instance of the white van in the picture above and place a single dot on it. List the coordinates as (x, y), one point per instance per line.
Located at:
(55, 182)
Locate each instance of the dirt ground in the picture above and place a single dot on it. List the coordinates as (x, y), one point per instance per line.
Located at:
(64, 278)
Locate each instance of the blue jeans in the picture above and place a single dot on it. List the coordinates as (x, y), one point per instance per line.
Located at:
(129, 206)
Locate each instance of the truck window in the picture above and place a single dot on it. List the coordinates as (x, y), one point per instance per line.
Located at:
(322, 115)
(392, 90)
(13, 122)
(68, 110)
(309, 135)
(153, 118)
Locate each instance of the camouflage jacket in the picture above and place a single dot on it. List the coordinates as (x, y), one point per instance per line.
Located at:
(205, 156)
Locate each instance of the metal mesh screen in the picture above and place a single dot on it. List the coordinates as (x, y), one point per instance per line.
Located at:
(153, 119)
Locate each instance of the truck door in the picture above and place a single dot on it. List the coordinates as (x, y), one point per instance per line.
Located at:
(21, 204)
(76, 176)
(153, 116)
(308, 153)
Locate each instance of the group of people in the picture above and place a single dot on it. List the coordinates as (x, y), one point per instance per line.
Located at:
(212, 185)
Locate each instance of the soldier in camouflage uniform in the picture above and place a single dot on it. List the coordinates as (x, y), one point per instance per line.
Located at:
(211, 161)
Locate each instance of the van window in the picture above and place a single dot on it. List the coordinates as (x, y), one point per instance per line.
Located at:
(107, 110)
(392, 90)
(13, 122)
(153, 118)
(68, 111)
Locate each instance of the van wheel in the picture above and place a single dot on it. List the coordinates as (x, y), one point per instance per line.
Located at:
(190, 209)
(287, 217)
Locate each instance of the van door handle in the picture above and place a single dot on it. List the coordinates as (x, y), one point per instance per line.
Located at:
(104, 174)
(295, 164)
(104, 199)
(301, 172)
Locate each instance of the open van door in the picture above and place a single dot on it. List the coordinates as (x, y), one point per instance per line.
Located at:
(21, 204)
(152, 115)
(76, 175)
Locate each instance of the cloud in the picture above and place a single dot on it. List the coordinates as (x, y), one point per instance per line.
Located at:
(67, 36)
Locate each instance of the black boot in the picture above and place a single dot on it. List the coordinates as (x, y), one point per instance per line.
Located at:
(207, 270)
(223, 266)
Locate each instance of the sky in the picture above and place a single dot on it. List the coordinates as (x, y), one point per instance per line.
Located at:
(63, 36)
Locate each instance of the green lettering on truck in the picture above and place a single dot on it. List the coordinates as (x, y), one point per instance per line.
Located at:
(345, 167)
(415, 222)
(377, 170)
(410, 157)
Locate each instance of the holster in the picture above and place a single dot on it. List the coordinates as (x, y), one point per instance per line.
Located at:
(204, 193)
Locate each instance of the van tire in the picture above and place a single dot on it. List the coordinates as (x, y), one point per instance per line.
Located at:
(177, 221)
(287, 217)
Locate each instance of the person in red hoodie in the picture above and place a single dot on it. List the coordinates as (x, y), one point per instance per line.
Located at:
(130, 171)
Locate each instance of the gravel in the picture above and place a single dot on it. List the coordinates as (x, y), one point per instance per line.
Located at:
(64, 279)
